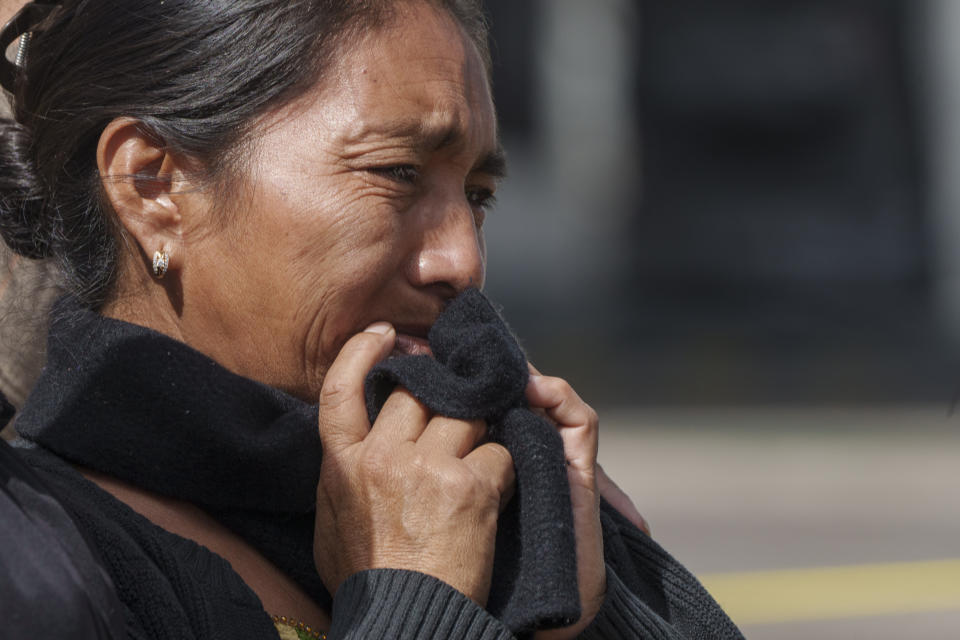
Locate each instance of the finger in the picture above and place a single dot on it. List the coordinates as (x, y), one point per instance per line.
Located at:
(620, 501)
(493, 463)
(560, 401)
(454, 437)
(402, 418)
(343, 411)
(540, 411)
(576, 421)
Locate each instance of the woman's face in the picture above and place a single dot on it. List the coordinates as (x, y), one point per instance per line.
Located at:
(363, 201)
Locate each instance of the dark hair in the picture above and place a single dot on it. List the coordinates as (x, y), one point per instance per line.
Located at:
(195, 73)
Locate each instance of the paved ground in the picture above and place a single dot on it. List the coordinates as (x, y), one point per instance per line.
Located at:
(873, 491)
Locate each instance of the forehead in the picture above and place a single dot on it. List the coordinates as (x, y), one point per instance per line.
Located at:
(418, 76)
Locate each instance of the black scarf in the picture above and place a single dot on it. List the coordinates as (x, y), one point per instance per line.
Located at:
(149, 410)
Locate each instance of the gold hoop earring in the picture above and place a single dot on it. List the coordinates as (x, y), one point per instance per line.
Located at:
(161, 261)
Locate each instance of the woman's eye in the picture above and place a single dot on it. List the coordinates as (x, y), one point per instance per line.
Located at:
(481, 198)
(405, 173)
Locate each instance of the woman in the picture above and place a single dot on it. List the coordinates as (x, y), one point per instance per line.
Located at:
(254, 203)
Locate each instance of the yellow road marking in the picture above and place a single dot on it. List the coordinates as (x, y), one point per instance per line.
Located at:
(837, 592)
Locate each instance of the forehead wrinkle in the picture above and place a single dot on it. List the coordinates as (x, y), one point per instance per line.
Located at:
(441, 129)
(435, 131)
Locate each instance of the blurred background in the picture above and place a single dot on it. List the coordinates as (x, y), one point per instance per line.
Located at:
(735, 228)
(750, 202)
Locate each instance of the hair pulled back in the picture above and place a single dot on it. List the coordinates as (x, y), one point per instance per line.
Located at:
(195, 73)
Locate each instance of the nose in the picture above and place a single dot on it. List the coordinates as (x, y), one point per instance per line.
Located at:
(451, 255)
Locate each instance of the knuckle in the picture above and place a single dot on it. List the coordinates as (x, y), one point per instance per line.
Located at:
(372, 464)
(334, 393)
(474, 433)
(332, 430)
(564, 387)
(501, 454)
(419, 460)
(558, 388)
(458, 481)
(503, 473)
(593, 419)
(555, 383)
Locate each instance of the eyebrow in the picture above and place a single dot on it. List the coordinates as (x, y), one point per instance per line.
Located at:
(493, 164)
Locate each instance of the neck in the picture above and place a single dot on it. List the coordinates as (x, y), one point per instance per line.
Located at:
(141, 300)
(280, 595)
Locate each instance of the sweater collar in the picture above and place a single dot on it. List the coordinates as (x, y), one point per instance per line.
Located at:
(133, 403)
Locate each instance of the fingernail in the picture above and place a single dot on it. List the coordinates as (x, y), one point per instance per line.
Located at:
(381, 328)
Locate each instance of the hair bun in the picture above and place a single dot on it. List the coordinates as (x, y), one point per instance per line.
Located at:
(22, 199)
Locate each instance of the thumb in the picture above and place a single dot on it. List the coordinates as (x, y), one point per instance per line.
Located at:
(343, 411)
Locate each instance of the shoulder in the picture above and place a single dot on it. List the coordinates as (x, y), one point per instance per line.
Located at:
(53, 584)
(168, 586)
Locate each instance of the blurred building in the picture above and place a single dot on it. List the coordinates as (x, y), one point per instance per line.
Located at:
(730, 202)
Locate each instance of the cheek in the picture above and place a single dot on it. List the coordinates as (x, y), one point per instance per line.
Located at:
(346, 239)
(341, 271)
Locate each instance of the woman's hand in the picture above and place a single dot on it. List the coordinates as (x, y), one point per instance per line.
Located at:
(578, 426)
(620, 501)
(414, 491)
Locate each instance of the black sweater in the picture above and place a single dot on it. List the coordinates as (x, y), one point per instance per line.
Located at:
(47, 565)
(148, 410)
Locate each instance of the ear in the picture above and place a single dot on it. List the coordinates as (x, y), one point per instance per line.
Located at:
(138, 176)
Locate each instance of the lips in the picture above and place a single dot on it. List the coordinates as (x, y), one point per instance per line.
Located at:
(411, 345)
(413, 327)
(412, 339)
